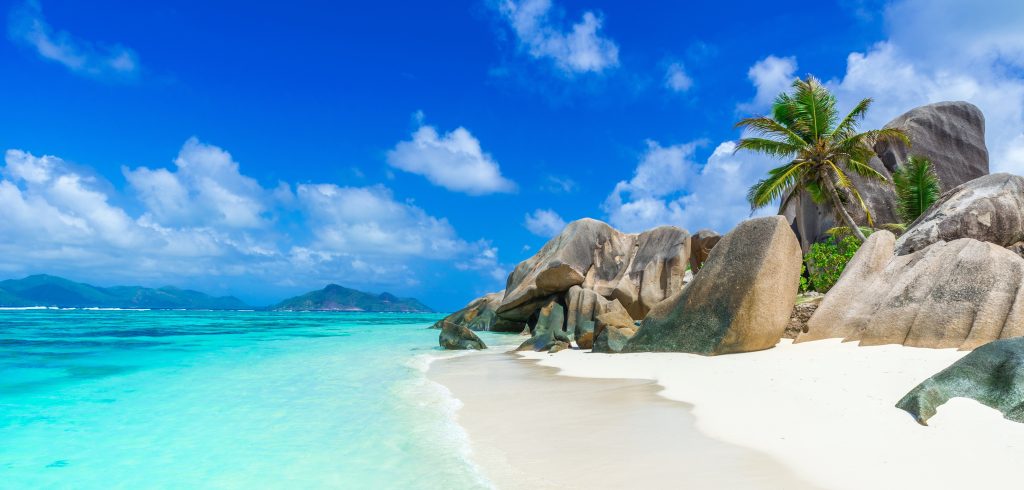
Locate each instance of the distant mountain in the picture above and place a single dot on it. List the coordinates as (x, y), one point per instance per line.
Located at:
(46, 290)
(338, 298)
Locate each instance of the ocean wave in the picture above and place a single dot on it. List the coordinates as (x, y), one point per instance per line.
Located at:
(427, 394)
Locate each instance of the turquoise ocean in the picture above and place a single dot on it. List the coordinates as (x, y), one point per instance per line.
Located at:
(199, 399)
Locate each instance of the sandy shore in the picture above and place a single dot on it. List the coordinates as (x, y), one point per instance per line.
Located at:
(530, 428)
(825, 409)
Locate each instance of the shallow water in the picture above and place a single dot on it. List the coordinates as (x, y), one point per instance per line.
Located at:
(178, 399)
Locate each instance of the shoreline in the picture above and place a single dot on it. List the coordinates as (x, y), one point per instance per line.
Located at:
(827, 410)
(530, 428)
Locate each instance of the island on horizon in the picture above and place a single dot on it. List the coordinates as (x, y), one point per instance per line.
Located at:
(45, 290)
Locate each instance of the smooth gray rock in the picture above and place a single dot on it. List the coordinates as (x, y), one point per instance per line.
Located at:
(549, 327)
(993, 374)
(613, 339)
(988, 209)
(701, 244)
(638, 270)
(961, 294)
(458, 337)
(950, 134)
(740, 301)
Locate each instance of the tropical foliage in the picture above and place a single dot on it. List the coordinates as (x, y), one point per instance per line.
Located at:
(827, 260)
(917, 188)
(823, 150)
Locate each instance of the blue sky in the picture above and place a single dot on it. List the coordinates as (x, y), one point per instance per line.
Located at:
(425, 149)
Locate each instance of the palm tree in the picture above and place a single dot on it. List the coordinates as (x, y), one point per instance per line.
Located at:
(917, 188)
(805, 128)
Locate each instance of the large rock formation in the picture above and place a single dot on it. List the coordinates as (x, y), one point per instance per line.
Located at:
(993, 374)
(701, 244)
(638, 270)
(458, 337)
(548, 331)
(479, 314)
(587, 270)
(962, 294)
(740, 300)
(989, 209)
(951, 134)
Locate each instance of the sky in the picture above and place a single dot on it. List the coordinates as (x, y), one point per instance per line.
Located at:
(425, 148)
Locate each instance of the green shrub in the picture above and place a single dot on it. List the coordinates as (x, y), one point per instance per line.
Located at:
(826, 261)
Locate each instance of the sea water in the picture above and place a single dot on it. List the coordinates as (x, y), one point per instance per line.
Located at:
(191, 399)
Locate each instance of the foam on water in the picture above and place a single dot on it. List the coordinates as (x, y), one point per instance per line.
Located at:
(173, 399)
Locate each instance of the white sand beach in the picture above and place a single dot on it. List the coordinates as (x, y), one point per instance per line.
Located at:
(826, 410)
(532, 429)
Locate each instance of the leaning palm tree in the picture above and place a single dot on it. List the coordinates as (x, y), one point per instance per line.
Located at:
(917, 188)
(822, 150)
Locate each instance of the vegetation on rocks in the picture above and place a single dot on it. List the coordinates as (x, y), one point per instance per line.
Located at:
(917, 188)
(822, 149)
(826, 261)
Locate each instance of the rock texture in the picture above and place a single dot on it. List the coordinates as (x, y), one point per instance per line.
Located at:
(740, 301)
(548, 330)
(993, 374)
(962, 294)
(989, 209)
(638, 270)
(458, 337)
(701, 244)
(481, 314)
(951, 134)
(802, 313)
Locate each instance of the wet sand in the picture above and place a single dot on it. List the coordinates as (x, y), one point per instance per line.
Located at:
(530, 428)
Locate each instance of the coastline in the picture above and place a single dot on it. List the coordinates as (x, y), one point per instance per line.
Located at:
(826, 409)
(530, 428)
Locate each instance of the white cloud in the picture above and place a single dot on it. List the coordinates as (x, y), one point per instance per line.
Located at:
(544, 222)
(581, 49)
(676, 78)
(770, 76)
(486, 261)
(206, 220)
(947, 50)
(28, 27)
(368, 220)
(453, 160)
(559, 185)
(206, 189)
(694, 195)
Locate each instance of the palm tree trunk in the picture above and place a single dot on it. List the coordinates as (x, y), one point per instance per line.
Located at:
(837, 202)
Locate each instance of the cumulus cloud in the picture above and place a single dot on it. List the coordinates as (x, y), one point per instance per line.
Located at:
(676, 78)
(486, 261)
(368, 220)
(205, 189)
(692, 194)
(580, 49)
(205, 219)
(770, 76)
(544, 222)
(28, 27)
(454, 160)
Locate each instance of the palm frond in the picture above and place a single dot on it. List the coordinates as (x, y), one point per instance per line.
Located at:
(766, 126)
(848, 125)
(768, 147)
(780, 181)
(814, 107)
(839, 232)
(917, 188)
(859, 167)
